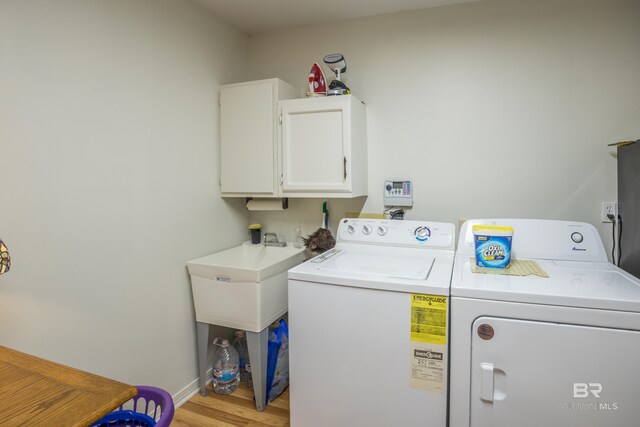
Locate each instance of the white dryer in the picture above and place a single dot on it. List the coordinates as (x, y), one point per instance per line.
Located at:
(555, 352)
(368, 327)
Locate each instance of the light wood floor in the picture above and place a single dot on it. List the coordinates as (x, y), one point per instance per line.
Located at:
(236, 409)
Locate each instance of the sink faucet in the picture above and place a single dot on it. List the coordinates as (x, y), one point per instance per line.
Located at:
(271, 239)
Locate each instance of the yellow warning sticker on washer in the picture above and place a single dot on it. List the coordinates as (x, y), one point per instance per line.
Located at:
(428, 359)
(429, 318)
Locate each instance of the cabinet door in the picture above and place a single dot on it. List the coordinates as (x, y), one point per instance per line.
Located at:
(316, 145)
(247, 120)
(527, 373)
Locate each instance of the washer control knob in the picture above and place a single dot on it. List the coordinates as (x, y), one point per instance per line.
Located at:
(351, 229)
(382, 230)
(577, 237)
(422, 233)
(366, 230)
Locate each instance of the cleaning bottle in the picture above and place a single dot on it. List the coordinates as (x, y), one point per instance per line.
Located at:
(325, 215)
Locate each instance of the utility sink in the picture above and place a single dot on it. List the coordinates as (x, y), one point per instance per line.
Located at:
(244, 287)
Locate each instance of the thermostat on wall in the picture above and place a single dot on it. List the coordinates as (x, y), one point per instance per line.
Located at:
(398, 193)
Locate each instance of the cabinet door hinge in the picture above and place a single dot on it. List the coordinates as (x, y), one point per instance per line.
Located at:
(281, 180)
(280, 118)
(345, 167)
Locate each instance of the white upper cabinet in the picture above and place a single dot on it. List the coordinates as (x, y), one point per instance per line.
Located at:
(275, 146)
(324, 147)
(249, 146)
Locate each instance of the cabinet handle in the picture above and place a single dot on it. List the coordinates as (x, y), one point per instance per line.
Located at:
(345, 167)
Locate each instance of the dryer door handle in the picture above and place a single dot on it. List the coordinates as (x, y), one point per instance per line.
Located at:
(486, 382)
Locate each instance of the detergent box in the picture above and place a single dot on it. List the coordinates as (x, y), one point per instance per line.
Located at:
(493, 245)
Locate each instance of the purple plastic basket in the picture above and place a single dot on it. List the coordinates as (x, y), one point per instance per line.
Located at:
(142, 414)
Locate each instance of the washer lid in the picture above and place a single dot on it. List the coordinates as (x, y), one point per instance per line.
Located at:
(387, 268)
(411, 267)
(598, 285)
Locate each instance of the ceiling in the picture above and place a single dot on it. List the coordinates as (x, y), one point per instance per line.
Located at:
(256, 16)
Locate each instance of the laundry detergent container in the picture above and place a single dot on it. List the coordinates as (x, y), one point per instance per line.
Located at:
(493, 245)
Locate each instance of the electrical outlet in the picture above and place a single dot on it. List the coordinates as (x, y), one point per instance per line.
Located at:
(609, 208)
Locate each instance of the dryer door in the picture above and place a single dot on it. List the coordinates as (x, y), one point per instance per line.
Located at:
(526, 373)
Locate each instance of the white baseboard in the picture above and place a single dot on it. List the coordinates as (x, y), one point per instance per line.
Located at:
(190, 390)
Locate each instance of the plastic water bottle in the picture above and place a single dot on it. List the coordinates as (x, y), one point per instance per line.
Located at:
(226, 373)
(240, 344)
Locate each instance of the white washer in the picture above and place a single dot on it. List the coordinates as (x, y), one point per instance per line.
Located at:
(368, 327)
(554, 352)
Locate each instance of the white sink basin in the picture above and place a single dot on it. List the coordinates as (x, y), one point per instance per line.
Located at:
(243, 287)
(247, 263)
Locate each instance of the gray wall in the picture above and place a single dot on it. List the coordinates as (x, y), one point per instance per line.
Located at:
(109, 160)
(495, 108)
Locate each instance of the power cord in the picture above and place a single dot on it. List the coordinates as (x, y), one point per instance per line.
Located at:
(613, 237)
(619, 239)
(397, 214)
(394, 212)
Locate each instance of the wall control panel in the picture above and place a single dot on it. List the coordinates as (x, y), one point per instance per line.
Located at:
(398, 193)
